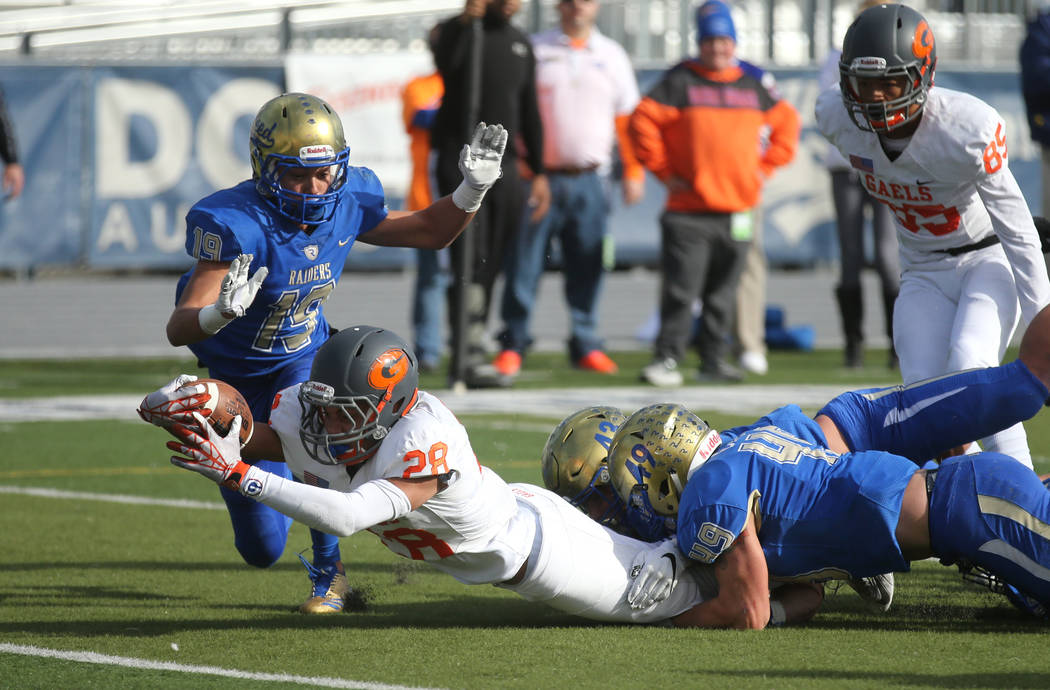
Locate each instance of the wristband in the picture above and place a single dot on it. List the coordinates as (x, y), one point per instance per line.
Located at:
(777, 615)
(467, 198)
(211, 319)
(253, 480)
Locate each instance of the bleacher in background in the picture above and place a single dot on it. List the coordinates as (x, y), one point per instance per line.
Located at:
(983, 33)
(129, 111)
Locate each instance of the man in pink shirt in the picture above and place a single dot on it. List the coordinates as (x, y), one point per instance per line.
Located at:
(586, 89)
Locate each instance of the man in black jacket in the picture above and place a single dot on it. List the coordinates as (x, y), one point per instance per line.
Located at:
(506, 94)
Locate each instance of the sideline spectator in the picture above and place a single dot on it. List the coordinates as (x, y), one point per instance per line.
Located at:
(420, 100)
(587, 90)
(1035, 87)
(700, 131)
(14, 178)
(507, 95)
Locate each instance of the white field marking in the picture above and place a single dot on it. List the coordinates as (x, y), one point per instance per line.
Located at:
(146, 664)
(550, 403)
(112, 498)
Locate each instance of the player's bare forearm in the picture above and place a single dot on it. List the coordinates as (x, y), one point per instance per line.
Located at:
(1035, 346)
(434, 227)
(743, 590)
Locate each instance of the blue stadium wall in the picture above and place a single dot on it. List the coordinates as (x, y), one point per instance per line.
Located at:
(115, 155)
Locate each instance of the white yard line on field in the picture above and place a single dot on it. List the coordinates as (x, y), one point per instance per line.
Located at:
(549, 403)
(146, 664)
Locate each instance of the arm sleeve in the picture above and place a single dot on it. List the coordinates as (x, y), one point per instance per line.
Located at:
(1012, 221)
(646, 130)
(531, 125)
(8, 148)
(784, 126)
(341, 514)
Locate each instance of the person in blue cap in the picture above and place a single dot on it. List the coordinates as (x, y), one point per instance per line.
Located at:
(713, 129)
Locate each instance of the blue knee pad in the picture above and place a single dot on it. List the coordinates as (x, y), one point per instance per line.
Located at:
(992, 511)
(923, 420)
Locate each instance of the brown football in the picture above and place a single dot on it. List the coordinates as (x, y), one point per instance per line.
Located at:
(225, 403)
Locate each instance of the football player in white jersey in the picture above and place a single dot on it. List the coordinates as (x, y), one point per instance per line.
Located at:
(970, 255)
(374, 453)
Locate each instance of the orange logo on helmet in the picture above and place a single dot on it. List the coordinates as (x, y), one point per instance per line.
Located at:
(388, 369)
(922, 44)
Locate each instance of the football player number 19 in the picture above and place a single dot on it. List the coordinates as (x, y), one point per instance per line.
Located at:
(292, 318)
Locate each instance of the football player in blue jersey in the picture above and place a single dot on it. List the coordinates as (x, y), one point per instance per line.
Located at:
(293, 224)
(843, 495)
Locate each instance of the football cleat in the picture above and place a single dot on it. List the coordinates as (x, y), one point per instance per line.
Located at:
(330, 588)
(877, 590)
(662, 372)
(507, 363)
(598, 361)
(980, 576)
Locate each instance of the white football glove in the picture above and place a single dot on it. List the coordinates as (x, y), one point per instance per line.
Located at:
(479, 161)
(235, 295)
(655, 572)
(173, 402)
(208, 453)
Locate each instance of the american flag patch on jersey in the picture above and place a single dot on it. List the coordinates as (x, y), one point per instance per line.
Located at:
(864, 164)
(313, 480)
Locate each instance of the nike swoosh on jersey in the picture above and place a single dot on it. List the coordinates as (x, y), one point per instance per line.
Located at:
(896, 416)
(920, 183)
(342, 243)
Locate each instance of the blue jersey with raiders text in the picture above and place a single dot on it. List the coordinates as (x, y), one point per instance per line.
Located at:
(819, 514)
(286, 320)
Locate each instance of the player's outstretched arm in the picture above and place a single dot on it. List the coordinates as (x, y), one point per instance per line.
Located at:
(436, 226)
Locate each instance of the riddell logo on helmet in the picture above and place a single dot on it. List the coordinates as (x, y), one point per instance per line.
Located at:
(388, 369)
(870, 64)
(316, 152)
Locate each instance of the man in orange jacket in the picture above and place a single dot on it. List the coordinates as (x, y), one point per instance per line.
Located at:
(712, 130)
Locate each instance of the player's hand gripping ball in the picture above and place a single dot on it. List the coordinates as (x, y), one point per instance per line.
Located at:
(223, 404)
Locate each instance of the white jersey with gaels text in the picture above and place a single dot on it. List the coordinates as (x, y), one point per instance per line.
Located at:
(468, 529)
(950, 187)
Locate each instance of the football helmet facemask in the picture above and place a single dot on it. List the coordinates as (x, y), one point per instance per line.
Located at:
(652, 456)
(297, 130)
(887, 41)
(363, 380)
(574, 463)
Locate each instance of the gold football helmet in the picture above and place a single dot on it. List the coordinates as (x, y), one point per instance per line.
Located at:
(574, 462)
(297, 130)
(650, 459)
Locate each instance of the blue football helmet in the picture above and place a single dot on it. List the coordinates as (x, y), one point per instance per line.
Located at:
(574, 463)
(296, 130)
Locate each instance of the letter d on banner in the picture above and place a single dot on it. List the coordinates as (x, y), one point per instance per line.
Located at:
(117, 175)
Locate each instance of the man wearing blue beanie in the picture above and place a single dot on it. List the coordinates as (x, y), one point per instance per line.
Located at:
(713, 18)
(713, 129)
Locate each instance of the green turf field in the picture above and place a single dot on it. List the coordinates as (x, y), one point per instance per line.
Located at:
(107, 549)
